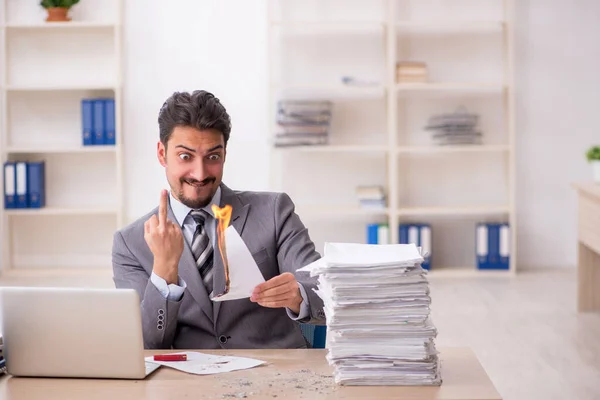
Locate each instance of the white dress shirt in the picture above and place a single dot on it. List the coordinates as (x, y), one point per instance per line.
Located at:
(173, 291)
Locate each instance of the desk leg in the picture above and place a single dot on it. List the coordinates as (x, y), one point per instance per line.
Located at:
(588, 270)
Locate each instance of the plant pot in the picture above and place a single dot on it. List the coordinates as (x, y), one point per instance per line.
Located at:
(57, 14)
(596, 170)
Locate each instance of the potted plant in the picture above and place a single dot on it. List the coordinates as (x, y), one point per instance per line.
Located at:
(58, 9)
(593, 156)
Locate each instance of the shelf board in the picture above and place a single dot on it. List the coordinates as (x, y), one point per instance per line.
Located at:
(319, 27)
(464, 210)
(38, 88)
(450, 26)
(36, 272)
(449, 87)
(466, 272)
(60, 25)
(344, 210)
(334, 149)
(61, 150)
(329, 91)
(453, 149)
(60, 211)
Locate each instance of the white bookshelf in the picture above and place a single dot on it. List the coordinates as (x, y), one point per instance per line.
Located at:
(377, 134)
(47, 68)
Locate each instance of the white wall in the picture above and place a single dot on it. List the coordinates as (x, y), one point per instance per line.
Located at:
(558, 59)
(192, 44)
(187, 45)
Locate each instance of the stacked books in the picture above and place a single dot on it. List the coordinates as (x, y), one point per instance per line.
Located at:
(457, 128)
(371, 197)
(377, 305)
(303, 122)
(411, 72)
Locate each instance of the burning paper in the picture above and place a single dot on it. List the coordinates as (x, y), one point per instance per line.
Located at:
(241, 272)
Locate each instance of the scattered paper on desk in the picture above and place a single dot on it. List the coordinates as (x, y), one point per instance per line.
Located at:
(207, 364)
(244, 274)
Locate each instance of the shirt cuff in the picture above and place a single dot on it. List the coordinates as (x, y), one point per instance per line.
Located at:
(304, 309)
(170, 292)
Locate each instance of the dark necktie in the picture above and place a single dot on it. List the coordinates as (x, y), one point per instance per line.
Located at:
(202, 248)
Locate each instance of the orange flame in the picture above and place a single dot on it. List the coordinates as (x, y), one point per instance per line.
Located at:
(223, 216)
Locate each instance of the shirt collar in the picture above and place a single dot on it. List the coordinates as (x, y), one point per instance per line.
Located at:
(181, 211)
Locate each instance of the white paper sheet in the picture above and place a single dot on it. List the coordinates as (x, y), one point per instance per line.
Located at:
(207, 364)
(244, 274)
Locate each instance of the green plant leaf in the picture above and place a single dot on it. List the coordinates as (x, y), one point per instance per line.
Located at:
(593, 154)
(58, 3)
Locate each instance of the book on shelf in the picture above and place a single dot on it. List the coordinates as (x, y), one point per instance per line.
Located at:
(378, 234)
(24, 184)
(411, 72)
(371, 197)
(492, 245)
(98, 121)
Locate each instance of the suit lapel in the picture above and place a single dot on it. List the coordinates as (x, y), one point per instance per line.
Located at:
(239, 214)
(189, 273)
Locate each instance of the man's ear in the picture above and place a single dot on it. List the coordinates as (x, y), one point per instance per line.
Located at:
(161, 153)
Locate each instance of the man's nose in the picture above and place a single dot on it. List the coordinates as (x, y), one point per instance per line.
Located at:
(198, 171)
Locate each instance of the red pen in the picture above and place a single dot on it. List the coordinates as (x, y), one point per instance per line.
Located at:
(170, 357)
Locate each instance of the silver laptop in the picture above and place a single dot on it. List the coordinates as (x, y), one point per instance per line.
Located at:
(73, 332)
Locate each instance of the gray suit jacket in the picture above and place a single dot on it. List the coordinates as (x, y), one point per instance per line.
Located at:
(279, 243)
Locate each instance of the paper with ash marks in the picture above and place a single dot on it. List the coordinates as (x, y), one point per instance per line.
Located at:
(244, 274)
(207, 364)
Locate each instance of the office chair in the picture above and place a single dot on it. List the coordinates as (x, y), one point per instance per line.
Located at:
(315, 335)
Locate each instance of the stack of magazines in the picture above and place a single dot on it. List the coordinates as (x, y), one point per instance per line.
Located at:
(458, 128)
(303, 123)
(377, 305)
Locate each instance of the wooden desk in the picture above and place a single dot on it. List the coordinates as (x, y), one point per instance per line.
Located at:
(588, 259)
(295, 374)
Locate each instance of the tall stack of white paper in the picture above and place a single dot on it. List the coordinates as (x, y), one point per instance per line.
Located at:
(377, 304)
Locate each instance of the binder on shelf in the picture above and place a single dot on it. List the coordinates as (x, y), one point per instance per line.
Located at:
(36, 184)
(481, 246)
(87, 121)
(98, 121)
(378, 234)
(21, 184)
(425, 243)
(492, 246)
(10, 198)
(420, 235)
(504, 246)
(109, 122)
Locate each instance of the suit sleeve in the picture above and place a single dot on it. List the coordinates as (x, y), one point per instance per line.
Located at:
(159, 314)
(295, 249)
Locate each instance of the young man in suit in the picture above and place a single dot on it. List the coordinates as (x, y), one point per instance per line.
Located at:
(171, 258)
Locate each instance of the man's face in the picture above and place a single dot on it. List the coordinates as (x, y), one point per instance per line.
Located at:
(193, 162)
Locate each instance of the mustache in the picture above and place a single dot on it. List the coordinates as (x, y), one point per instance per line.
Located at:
(197, 182)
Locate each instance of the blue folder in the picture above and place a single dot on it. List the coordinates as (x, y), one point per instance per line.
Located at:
(87, 121)
(21, 184)
(109, 122)
(36, 184)
(98, 121)
(10, 185)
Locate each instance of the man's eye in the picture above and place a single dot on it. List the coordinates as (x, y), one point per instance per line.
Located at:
(214, 157)
(184, 156)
